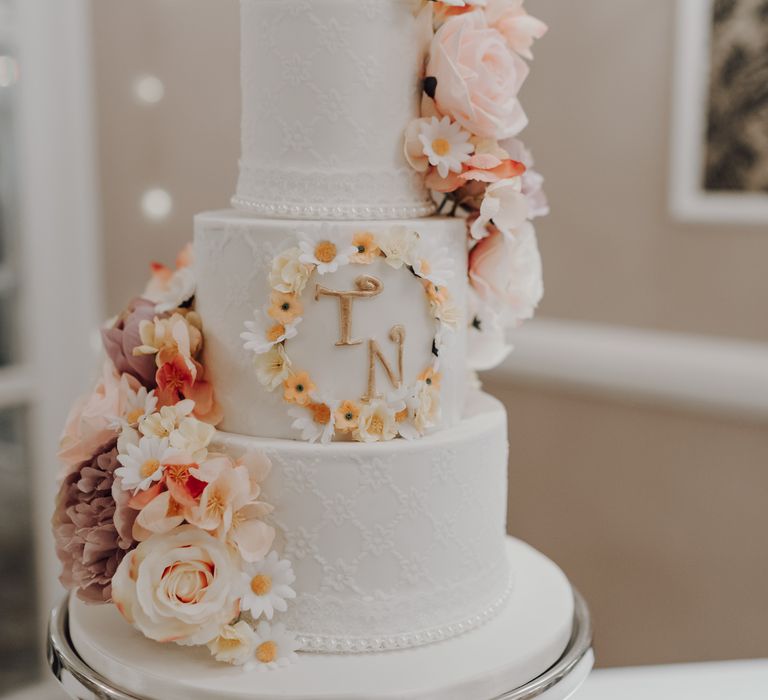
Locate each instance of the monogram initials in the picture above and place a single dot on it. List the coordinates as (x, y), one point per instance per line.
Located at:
(366, 287)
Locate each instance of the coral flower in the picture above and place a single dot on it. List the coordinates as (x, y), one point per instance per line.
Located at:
(298, 387)
(431, 378)
(285, 308)
(366, 247)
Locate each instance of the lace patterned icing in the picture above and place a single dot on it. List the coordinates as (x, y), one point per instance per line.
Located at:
(393, 544)
(329, 86)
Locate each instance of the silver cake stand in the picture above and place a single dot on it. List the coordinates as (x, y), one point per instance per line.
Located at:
(559, 682)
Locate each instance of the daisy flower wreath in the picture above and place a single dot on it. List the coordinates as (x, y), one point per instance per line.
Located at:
(409, 411)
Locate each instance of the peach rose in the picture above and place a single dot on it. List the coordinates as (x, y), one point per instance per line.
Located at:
(505, 271)
(178, 587)
(478, 77)
(515, 25)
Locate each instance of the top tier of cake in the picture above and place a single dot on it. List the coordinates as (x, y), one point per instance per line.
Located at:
(329, 87)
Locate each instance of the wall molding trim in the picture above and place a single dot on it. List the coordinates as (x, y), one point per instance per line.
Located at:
(694, 372)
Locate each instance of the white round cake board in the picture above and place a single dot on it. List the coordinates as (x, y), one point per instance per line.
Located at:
(523, 641)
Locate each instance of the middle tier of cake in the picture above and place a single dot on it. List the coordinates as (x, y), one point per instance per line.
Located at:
(333, 330)
(395, 544)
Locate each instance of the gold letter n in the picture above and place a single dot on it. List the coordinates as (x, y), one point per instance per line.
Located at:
(396, 335)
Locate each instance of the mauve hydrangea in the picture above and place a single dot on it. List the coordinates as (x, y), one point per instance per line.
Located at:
(92, 528)
(120, 340)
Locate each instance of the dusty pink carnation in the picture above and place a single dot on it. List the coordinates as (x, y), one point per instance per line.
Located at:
(92, 532)
(120, 340)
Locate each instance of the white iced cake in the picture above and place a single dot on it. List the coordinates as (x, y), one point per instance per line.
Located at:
(287, 450)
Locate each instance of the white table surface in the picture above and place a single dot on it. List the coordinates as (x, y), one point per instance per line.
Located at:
(723, 680)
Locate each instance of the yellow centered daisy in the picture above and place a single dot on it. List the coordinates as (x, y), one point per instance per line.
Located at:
(325, 251)
(261, 584)
(441, 147)
(275, 332)
(149, 468)
(267, 652)
(133, 416)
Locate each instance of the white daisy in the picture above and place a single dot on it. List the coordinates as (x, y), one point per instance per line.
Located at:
(272, 367)
(138, 405)
(128, 436)
(275, 646)
(162, 423)
(399, 246)
(433, 265)
(143, 463)
(263, 333)
(266, 586)
(180, 289)
(446, 144)
(377, 422)
(235, 644)
(316, 420)
(193, 437)
(325, 249)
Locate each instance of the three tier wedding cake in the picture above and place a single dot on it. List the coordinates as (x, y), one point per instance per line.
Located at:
(287, 450)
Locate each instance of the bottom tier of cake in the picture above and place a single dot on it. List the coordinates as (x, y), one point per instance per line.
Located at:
(394, 544)
(533, 637)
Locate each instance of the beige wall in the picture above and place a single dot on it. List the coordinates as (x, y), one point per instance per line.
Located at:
(657, 515)
(599, 102)
(188, 144)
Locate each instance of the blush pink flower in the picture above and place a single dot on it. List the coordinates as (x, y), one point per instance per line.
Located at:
(515, 25)
(90, 422)
(505, 271)
(478, 77)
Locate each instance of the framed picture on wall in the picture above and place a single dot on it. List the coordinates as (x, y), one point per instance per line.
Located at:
(719, 150)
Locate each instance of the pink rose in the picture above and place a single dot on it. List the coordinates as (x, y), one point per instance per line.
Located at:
(90, 422)
(478, 77)
(505, 271)
(515, 24)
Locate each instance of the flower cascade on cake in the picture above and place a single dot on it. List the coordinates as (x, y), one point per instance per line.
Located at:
(411, 409)
(148, 517)
(466, 145)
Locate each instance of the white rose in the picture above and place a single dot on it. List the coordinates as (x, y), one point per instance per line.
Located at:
(178, 587)
(288, 273)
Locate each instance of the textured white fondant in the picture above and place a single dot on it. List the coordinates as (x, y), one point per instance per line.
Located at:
(329, 87)
(524, 640)
(233, 257)
(391, 540)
